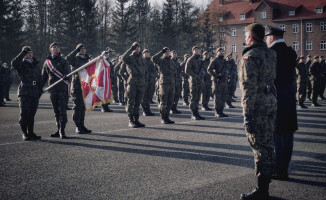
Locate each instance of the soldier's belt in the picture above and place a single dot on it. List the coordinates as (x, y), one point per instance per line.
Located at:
(33, 83)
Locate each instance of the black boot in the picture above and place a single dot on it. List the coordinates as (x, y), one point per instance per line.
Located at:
(169, 121)
(79, 129)
(137, 122)
(62, 132)
(261, 191)
(229, 105)
(206, 108)
(132, 123)
(31, 132)
(315, 104)
(219, 113)
(301, 105)
(164, 120)
(26, 136)
(56, 134)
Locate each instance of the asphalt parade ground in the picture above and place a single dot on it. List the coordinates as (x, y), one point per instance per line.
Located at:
(208, 159)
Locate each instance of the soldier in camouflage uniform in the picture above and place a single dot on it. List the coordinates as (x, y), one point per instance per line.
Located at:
(55, 68)
(150, 85)
(207, 86)
(29, 90)
(309, 90)
(120, 83)
(322, 65)
(302, 80)
(231, 66)
(257, 74)
(315, 76)
(138, 73)
(76, 59)
(178, 82)
(167, 73)
(124, 75)
(218, 69)
(185, 81)
(114, 86)
(194, 70)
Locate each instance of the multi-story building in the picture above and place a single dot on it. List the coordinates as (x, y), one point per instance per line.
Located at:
(303, 20)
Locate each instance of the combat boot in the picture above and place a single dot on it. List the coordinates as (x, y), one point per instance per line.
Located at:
(301, 105)
(138, 123)
(175, 111)
(164, 121)
(169, 121)
(26, 136)
(186, 103)
(261, 191)
(148, 113)
(315, 104)
(132, 123)
(62, 132)
(79, 129)
(31, 133)
(85, 129)
(206, 108)
(219, 113)
(56, 134)
(229, 105)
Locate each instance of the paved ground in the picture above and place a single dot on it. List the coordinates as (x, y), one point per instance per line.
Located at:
(208, 159)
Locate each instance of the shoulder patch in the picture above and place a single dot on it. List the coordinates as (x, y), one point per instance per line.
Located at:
(245, 58)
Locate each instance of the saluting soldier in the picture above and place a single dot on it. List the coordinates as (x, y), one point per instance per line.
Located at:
(150, 84)
(302, 80)
(218, 69)
(194, 70)
(124, 75)
(207, 86)
(29, 90)
(185, 80)
(120, 83)
(76, 59)
(138, 73)
(55, 68)
(257, 74)
(178, 82)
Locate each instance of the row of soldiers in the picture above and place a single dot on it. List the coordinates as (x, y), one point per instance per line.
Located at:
(5, 83)
(311, 79)
(136, 75)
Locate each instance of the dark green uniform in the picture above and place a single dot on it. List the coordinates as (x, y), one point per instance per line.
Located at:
(302, 80)
(167, 72)
(309, 90)
(185, 83)
(218, 69)
(207, 86)
(322, 70)
(29, 91)
(231, 82)
(114, 86)
(136, 83)
(120, 84)
(150, 86)
(178, 86)
(314, 72)
(124, 75)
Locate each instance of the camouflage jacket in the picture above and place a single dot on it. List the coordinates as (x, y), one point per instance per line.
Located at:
(308, 63)
(257, 73)
(185, 76)
(29, 74)
(314, 70)
(123, 72)
(178, 70)
(136, 67)
(207, 76)
(166, 68)
(218, 69)
(61, 65)
(233, 71)
(194, 69)
(152, 69)
(302, 73)
(75, 61)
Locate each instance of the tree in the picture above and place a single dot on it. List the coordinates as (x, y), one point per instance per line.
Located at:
(168, 28)
(141, 12)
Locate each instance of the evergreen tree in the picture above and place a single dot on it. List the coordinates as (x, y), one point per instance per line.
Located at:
(141, 10)
(168, 28)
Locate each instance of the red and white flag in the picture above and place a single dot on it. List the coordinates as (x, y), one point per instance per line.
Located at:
(96, 84)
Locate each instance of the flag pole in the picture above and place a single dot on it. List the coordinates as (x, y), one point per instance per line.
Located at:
(74, 72)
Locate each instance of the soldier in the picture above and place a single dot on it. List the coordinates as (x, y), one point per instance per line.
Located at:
(76, 59)
(207, 86)
(124, 75)
(185, 81)
(29, 90)
(114, 86)
(302, 80)
(286, 115)
(257, 74)
(7, 81)
(218, 69)
(55, 68)
(308, 63)
(178, 82)
(194, 70)
(167, 73)
(120, 83)
(230, 80)
(322, 77)
(315, 77)
(138, 73)
(150, 86)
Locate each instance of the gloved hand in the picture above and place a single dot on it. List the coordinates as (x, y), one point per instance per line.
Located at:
(134, 45)
(165, 49)
(248, 124)
(26, 49)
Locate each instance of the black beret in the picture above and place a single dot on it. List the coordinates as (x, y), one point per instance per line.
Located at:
(194, 47)
(52, 44)
(145, 51)
(270, 30)
(205, 52)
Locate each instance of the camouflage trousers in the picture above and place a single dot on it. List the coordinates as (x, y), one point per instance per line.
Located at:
(261, 139)
(315, 87)
(220, 93)
(322, 86)
(78, 114)
(28, 107)
(178, 90)
(185, 90)
(121, 90)
(148, 96)
(230, 91)
(309, 89)
(206, 92)
(167, 93)
(135, 95)
(302, 91)
(59, 102)
(195, 90)
(114, 88)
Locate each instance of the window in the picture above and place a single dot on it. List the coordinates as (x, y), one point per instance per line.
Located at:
(282, 26)
(263, 15)
(242, 17)
(308, 45)
(233, 32)
(323, 45)
(223, 46)
(295, 45)
(308, 27)
(222, 32)
(244, 31)
(323, 26)
(291, 12)
(234, 48)
(319, 10)
(295, 28)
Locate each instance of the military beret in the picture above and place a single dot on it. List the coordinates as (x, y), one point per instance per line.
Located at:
(271, 30)
(145, 51)
(52, 44)
(301, 56)
(321, 56)
(135, 44)
(315, 57)
(194, 47)
(205, 52)
(229, 55)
